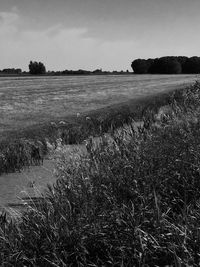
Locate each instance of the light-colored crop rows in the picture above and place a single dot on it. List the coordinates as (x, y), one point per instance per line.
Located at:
(26, 101)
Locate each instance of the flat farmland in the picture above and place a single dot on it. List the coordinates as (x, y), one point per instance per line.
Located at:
(25, 101)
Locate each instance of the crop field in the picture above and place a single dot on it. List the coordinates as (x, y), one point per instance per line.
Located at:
(26, 101)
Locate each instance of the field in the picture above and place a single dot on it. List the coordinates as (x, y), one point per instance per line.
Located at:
(26, 101)
(35, 110)
(132, 199)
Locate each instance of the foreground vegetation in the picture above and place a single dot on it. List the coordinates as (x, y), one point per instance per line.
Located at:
(132, 200)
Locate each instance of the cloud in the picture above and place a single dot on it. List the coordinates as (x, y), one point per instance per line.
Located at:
(8, 18)
(64, 48)
(58, 47)
(9, 23)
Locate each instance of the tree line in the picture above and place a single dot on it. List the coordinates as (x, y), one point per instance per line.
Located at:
(167, 65)
(38, 68)
(11, 71)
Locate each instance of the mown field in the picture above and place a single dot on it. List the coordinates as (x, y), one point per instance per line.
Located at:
(26, 101)
(36, 111)
(25, 146)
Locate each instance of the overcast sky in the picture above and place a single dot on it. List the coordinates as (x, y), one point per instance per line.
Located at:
(90, 34)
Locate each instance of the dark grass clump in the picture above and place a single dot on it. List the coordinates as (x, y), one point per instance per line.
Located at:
(17, 154)
(132, 200)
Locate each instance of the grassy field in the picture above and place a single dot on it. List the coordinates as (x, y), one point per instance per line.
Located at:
(27, 101)
(42, 109)
(132, 200)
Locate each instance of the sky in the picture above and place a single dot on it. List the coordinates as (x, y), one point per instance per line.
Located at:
(92, 34)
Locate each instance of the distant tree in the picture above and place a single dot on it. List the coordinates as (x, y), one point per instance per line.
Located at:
(192, 65)
(36, 68)
(97, 71)
(182, 60)
(140, 66)
(154, 67)
(166, 65)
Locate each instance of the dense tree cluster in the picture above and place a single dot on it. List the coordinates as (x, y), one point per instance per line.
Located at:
(167, 65)
(36, 68)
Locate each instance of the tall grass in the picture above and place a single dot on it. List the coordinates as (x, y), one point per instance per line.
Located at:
(132, 200)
